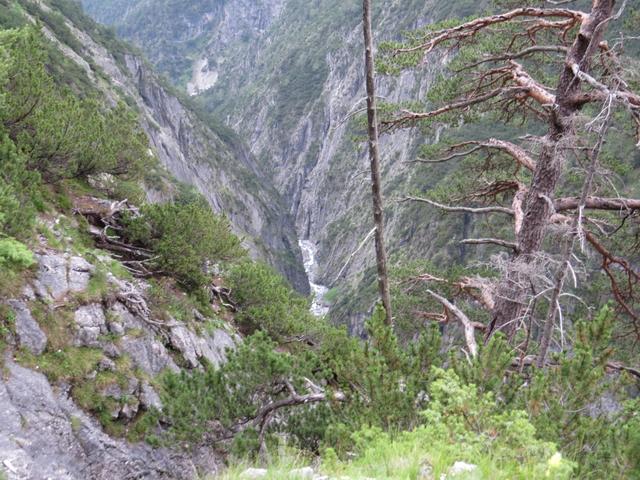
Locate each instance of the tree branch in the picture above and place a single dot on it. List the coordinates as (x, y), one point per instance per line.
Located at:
(470, 28)
(490, 241)
(597, 203)
(520, 54)
(469, 329)
(448, 208)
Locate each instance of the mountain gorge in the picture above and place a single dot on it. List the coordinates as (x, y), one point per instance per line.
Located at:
(289, 76)
(188, 280)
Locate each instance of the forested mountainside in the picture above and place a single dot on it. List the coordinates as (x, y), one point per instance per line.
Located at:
(143, 334)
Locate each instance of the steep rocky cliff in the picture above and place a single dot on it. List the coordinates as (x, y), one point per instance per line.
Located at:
(293, 87)
(81, 365)
(195, 150)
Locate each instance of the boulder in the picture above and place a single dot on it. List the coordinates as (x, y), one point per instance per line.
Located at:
(148, 354)
(91, 323)
(462, 470)
(52, 281)
(28, 331)
(302, 473)
(252, 473)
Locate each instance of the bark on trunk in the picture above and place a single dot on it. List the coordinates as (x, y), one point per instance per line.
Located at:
(376, 188)
(538, 205)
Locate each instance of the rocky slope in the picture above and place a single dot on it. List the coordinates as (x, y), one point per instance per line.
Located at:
(79, 328)
(194, 149)
(291, 85)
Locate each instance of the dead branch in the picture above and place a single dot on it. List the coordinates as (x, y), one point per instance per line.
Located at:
(448, 208)
(513, 150)
(468, 326)
(408, 116)
(597, 203)
(534, 89)
(490, 241)
(471, 28)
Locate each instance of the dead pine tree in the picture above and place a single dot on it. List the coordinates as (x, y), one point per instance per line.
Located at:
(500, 67)
(374, 156)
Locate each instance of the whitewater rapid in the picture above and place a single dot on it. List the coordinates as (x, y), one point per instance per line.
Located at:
(318, 307)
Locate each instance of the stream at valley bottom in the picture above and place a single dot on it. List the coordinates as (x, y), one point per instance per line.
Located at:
(318, 307)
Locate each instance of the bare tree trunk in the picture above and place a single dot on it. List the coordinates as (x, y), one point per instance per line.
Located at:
(376, 188)
(576, 232)
(538, 205)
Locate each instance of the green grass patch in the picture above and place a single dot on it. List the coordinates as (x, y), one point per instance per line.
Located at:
(70, 364)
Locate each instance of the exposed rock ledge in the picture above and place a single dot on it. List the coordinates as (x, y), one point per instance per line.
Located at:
(43, 433)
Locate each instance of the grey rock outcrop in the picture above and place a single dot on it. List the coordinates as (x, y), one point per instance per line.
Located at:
(29, 333)
(43, 435)
(91, 323)
(148, 354)
(52, 281)
(60, 274)
(211, 346)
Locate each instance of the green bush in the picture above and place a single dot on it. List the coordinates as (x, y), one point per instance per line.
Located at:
(186, 237)
(18, 189)
(267, 303)
(14, 255)
(563, 401)
(62, 134)
(193, 402)
(460, 424)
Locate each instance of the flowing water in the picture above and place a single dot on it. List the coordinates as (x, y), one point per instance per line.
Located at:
(318, 306)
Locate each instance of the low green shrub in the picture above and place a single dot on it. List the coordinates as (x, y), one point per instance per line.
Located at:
(18, 188)
(62, 134)
(14, 255)
(186, 237)
(267, 303)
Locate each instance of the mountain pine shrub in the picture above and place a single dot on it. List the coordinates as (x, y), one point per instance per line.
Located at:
(186, 237)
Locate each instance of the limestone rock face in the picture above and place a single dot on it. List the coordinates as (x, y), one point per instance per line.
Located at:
(53, 281)
(91, 323)
(148, 354)
(43, 435)
(60, 274)
(211, 346)
(29, 333)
